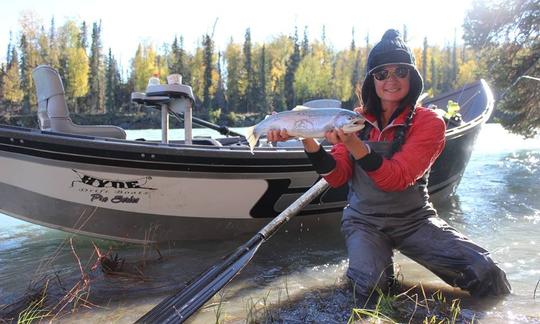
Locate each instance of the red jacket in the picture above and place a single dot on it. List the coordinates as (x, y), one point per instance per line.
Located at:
(424, 142)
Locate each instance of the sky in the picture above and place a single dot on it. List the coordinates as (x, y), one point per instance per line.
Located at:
(125, 24)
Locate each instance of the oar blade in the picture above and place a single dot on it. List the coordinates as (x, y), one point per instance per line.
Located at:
(178, 308)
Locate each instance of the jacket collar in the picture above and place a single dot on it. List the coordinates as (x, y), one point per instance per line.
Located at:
(400, 119)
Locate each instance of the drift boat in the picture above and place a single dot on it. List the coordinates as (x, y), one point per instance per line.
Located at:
(90, 180)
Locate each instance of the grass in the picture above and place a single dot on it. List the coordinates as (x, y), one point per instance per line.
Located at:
(36, 309)
(395, 308)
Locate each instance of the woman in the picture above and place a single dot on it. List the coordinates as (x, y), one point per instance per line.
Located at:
(387, 165)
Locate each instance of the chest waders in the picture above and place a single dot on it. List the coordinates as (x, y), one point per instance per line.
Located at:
(376, 222)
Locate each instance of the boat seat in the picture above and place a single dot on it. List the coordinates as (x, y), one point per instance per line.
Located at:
(53, 113)
(323, 103)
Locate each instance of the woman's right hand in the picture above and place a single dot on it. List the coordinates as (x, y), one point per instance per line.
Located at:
(276, 135)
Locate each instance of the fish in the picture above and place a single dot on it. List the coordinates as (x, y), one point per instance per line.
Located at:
(305, 122)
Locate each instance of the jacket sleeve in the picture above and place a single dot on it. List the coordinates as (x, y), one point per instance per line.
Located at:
(424, 143)
(344, 166)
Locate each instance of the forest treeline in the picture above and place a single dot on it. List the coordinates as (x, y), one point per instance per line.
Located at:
(245, 78)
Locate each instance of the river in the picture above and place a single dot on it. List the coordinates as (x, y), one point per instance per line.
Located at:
(295, 277)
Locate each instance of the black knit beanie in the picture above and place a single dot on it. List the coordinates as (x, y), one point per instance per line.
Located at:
(391, 50)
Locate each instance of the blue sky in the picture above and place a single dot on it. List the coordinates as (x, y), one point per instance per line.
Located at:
(126, 23)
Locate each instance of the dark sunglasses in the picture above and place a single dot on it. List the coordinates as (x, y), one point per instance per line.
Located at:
(401, 72)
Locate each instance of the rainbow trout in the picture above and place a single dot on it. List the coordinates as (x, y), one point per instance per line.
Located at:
(304, 122)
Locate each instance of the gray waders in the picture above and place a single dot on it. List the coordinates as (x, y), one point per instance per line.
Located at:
(376, 222)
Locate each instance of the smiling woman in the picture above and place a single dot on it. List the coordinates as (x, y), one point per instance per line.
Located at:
(386, 166)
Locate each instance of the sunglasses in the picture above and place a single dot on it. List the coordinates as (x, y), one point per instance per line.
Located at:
(401, 72)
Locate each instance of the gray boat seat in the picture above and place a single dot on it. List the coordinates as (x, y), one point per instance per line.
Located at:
(53, 113)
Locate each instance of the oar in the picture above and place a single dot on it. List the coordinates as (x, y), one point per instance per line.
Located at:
(179, 307)
(223, 130)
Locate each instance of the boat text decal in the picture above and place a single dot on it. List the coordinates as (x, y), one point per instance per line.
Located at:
(112, 191)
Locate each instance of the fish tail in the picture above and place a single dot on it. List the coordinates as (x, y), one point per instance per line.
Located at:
(252, 138)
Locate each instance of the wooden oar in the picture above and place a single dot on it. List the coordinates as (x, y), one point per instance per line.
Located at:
(180, 306)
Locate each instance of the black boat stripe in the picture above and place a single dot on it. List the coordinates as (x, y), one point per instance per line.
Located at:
(159, 165)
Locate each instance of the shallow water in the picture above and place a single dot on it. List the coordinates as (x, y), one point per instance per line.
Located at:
(298, 275)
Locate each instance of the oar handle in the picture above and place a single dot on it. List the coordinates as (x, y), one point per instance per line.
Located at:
(223, 130)
(293, 209)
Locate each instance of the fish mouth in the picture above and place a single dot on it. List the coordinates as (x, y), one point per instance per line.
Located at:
(355, 125)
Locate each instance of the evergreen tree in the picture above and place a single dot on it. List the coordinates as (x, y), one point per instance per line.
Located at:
(292, 66)
(96, 93)
(356, 80)
(179, 60)
(233, 59)
(43, 47)
(405, 34)
(219, 98)
(368, 49)
(250, 99)
(28, 62)
(305, 43)
(208, 50)
(83, 36)
(425, 62)
(263, 103)
(434, 79)
(9, 48)
(112, 84)
(454, 67)
(353, 44)
(54, 52)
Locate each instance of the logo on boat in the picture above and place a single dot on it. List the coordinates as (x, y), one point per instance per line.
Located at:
(105, 191)
(113, 184)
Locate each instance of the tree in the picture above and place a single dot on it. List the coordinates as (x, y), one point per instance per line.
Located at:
(143, 66)
(263, 103)
(251, 98)
(292, 66)
(29, 60)
(178, 62)
(54, 54)
(305, 43)
(96, 93)
(77, 74)
(234, 84)
(506, 37)
(11, 90)
(83, 35)
(219, 98)
(279, 51)
(208, 49)
(112, 84)
(73, 64)
(424, 69)
(313, 77)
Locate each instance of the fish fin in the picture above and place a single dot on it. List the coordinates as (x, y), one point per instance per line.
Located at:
(252, 138)
(300, 108)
